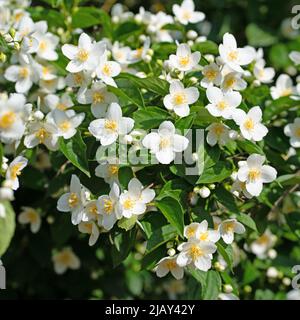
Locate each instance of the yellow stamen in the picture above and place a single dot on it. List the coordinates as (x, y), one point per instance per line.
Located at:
(110, 125)
(171, 264)
(42, 135)
(249, 124)
(232, 55)
(7, 120)
(106, 70)
(73, 200)
(229, 226)
(254, 174)
(43, 46)
(108, 206)
(218, 129)
(15, 170)
(222, 105)
(82, 55)
(164, 143)
(65, 125)
(113, 170)
(98, 97)
(210, 74)
(204, 236)
(128, 204)
(195, 252)
(179, 98)
(184, 61)
(23, 72)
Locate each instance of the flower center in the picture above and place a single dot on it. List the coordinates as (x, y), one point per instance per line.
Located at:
(218, 130)
(113, 170)
(297, 132)
(184, 61)
(128, 204)
(73, 200)
(229, 83)
(264, 239)
(286, 92)
(64, 258)
(108, 206)
(93, 211)
(249, 124)
(23, 72)
(179, 98)
(195, 252)
(254, 174)
(106, 70)
(65, 126)
(111, 125)
(164, 143)
(190, 232)
(229, 226)
(82, 55)
(139, 52)
(204, 236)
(32, 216)
(7, 120)
(43, 46)
(98, 97)
(186, 14)
(15, 170)
(222, 105)
(210, 74)
(171, 264)
(61, 106)
(42, 135)
(78, 78)
(232, 55)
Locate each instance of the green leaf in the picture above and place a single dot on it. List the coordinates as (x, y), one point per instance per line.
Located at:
(250, 274)
(249, 147)
(7, 226)
(258, 36)
(150, 117)
(150, 259)
(212, 286)
(279, 105)
(226, 199)
(152, 84)
(127, 224)
(161, 236)
(126, 29)
(124, 242)
(293, 221)
(289, 179)
(217, 173)
(74, 150)
(129, 92)
(247, 221)
(173, 212)
(279, 56)
(226, 253)
(125, 174)
(206, 47)
(199, 275)
(185, 123)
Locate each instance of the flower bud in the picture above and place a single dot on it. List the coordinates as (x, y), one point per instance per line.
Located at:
(147, 58)
(272, 272)
(171, 252)
(2, 57)
(204, 192)
(192, 35)
(272, 253)
(228, 288)
(6, 194)
(38, 115)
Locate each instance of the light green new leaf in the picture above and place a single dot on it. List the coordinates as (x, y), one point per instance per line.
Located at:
(247, 221)
(7, 226)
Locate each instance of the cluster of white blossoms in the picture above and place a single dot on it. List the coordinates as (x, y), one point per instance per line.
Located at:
(99, 215)
(197, 252)
(41, 111)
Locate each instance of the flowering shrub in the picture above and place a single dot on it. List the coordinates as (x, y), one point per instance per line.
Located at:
(159, 149)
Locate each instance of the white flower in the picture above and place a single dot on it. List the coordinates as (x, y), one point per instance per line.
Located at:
(261, 245)
(201, 232)
(108, 208)
(295, 57)
(31, 216)
(184, 60)
(292, 130)
(293, 294)
(108, 129)
(79, 79)
(14, 170)
(186, 13)
(180, 98)
(254, 174)
(165, 143)
(108, 171)
(90, 228)
(134, 200)
(120, 54)
(284, 87)
(65, 259)
(85, 56)
(228, 228)
(238, 187)
(217, 133)
(233, 81)
(264, 75)
(222, 104)
(47, 42)
(227, 296)
(107, 70)
(65, 122)
(250, 123)
(211, 75)
(233, 56)
(169, 264)
(23, 75)
(41, 133)
(196, 253)
(91, 212)
(25, 28)
(13, 112)
(73, 201)
(140, 53)
(98, 97)
(63, 103)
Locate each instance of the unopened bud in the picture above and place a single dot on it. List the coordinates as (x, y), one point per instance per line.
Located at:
(2, 57)
(228, 288)
(171, 252)
(147, 58)
(192, 35)
(204, 192)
